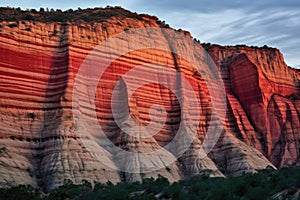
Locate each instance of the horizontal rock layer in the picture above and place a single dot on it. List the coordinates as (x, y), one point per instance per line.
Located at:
(42, 143)
(259, 87)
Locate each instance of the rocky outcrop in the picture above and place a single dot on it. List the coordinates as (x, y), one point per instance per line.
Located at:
(42, 142)
(262, 84)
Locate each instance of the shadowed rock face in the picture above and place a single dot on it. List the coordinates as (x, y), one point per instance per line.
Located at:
(42, 143)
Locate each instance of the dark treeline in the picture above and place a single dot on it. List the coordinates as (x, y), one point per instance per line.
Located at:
(266, 184)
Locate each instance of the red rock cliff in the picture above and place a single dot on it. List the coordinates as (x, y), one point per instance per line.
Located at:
(259, 81)
(39, 137)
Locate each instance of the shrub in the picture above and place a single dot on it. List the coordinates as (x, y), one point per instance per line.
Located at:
(28, 17)
(13, 25)
(265, 47)
(31, 115)
(2, 150)
(294, 97)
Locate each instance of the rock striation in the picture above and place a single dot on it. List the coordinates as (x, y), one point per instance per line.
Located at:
(42, 143)
(267, 118)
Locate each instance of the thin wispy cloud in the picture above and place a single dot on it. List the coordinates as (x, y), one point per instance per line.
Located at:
(259, 22)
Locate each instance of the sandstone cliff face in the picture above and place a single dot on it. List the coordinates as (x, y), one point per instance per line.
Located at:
(42, 143)
(261, 83)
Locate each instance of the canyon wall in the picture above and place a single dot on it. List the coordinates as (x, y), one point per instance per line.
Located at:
(42, 143)
(264, 86)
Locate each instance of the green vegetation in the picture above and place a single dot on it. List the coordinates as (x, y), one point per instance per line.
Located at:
(88, 15)
(266, 184)
(168, 169)
(208, 45)
(162, 24)
(31, 115)
(3, 150)
(13, 25)
(296, 69)
(294, 97)
(24, 192)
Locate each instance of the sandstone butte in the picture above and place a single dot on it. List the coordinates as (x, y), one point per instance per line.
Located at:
(40, 142)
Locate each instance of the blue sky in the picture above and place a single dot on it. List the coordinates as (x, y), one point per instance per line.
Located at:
(228, 22)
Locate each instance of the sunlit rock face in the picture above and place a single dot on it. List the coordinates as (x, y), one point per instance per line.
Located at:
(43, 142)
(262, 92)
